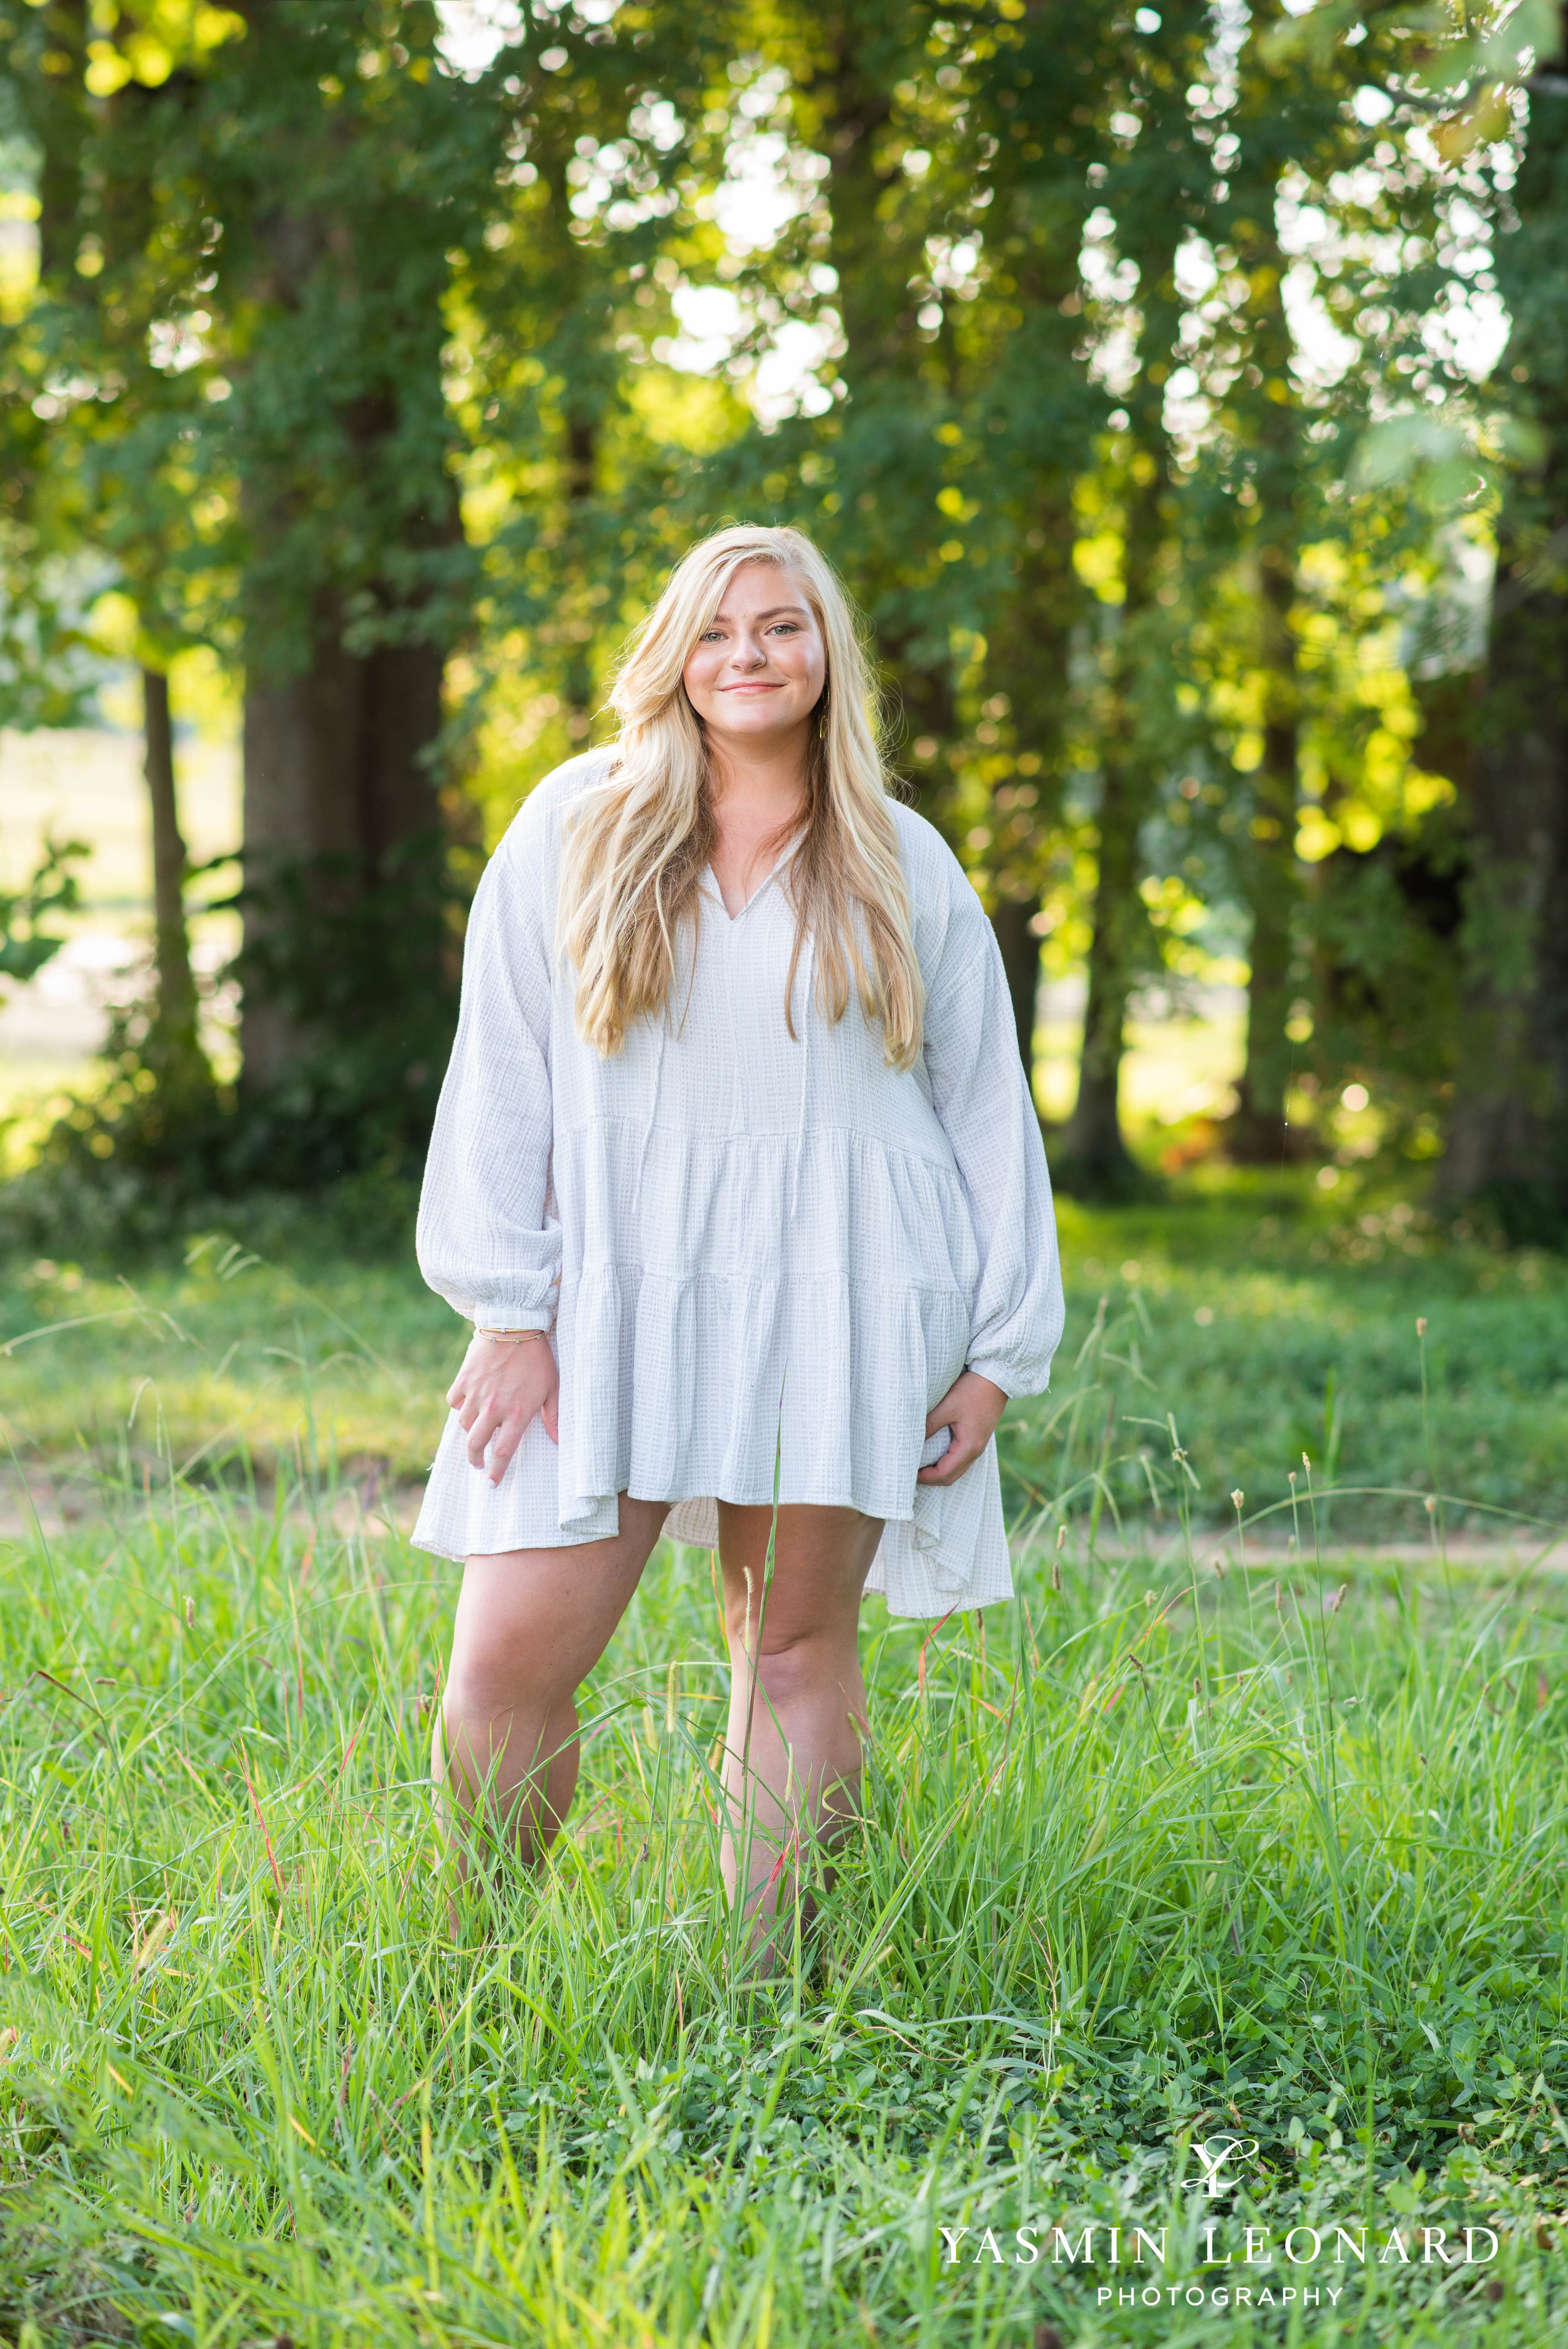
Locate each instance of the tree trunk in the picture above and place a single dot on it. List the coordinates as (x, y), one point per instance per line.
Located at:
(582, 456)
(850, 86)
(174, 1034)
(1094, 1158)
(1026, 655)
(1020, 948)
(337, 739)
(1094, 1154)
(1508, 1139)
(1509, 1135)
(1258, 1134)
(927, 712)
(58, 106)
(333, 769)
(888, 370)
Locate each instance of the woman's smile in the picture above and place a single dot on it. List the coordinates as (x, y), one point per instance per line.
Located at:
(762, 650)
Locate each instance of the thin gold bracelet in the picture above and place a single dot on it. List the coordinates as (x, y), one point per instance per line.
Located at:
(508, 1337)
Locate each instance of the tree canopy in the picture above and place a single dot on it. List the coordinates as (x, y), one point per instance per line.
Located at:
(1166, 382)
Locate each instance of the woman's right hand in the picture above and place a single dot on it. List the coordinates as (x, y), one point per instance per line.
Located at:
(498, 1393)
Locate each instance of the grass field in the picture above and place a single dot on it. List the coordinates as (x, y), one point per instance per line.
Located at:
(1157, 1855)
(1270, 1320)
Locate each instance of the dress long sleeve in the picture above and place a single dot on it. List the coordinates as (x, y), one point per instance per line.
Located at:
(981, 1095)
(761, 1253)
(486, 1239)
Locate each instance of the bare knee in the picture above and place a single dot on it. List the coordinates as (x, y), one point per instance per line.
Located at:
(749, 1631)
(795, 1667)
(493, 1669)
(479, 1688)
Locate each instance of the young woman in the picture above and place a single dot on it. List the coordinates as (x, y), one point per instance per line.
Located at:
(736, 1174)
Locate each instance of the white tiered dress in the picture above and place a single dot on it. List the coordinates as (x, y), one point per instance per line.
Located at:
(763, 1260)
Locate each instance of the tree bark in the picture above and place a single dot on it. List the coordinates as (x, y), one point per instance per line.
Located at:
(1271, 877)
(1508, 1138)
(333, 769)
(885, 365)
(1509, 1135)
(336, 739)
(1020, 945)
(581, 461)
(58, 106)
(174, 1034)
(873, 271)
(1094, 1154)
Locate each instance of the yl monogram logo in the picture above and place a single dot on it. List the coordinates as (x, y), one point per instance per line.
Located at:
(1215, 2152)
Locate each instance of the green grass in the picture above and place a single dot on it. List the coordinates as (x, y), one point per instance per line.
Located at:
(1153, 1855)
(1273, 1322)
(225, 1361)
(1270, 1319)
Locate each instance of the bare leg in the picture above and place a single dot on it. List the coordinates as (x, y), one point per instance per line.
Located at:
(531, 1626)
(797, 1703)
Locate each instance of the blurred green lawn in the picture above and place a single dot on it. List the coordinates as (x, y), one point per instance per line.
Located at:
(1267, 1320)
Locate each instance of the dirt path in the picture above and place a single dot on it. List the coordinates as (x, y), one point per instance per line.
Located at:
(60, 1499)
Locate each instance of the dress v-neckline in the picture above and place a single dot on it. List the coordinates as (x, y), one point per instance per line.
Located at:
(709, 875)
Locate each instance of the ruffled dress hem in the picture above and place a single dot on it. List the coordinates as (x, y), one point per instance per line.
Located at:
(949, 1552)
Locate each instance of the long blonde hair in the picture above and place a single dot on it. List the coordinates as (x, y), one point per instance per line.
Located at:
(637, 844)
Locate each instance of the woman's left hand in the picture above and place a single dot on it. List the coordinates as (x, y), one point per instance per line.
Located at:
(971, 1408)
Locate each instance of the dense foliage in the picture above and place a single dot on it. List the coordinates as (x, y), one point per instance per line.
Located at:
(1141, 368)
